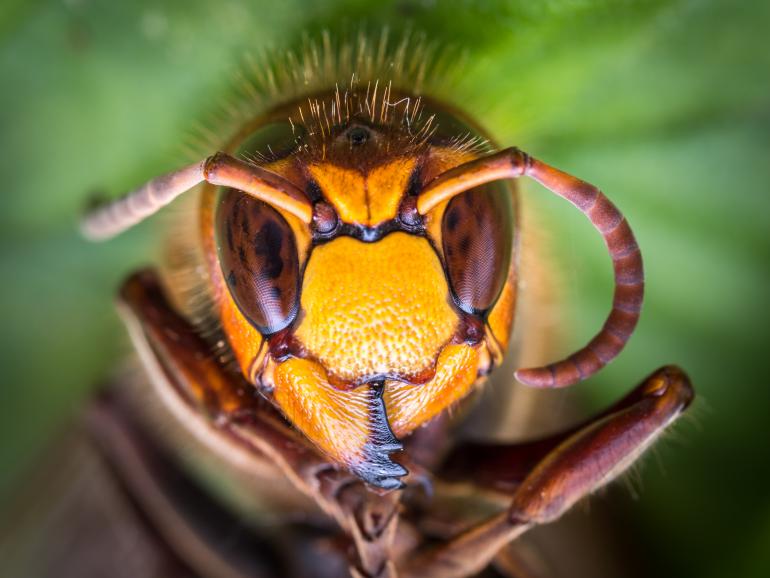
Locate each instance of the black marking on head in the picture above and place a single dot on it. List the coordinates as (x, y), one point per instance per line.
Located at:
(370, 234)
(415, 181)
(313, 191)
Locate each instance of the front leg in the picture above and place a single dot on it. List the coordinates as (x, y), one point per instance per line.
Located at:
(223, 411)
(583, 461)
(217, 407)
(501, 467)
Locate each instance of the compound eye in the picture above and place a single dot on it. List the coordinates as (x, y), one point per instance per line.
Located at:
(477, 238)
(258, 256)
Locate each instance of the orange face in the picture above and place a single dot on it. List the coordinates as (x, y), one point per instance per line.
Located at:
(373, 319)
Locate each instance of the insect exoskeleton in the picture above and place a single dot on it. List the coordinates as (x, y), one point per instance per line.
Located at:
(372, 318)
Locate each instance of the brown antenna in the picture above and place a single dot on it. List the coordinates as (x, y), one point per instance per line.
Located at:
(114, 217)
(605, 217)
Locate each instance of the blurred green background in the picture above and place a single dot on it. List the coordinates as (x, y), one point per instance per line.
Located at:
(663, 104)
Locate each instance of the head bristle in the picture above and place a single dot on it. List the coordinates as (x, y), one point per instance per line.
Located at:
(381, 76)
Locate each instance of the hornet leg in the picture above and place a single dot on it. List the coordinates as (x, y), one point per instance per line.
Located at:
(564, 472)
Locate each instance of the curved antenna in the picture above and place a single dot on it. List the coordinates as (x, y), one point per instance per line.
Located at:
(605, 217)
(114, 217)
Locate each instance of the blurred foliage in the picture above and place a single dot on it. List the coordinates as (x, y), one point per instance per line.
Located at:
(664, 104)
